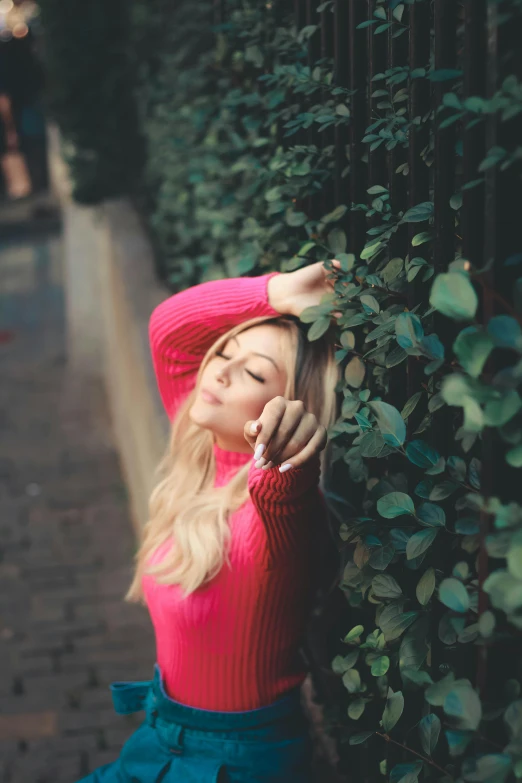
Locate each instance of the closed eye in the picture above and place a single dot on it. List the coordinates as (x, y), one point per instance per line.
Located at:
(253, 375)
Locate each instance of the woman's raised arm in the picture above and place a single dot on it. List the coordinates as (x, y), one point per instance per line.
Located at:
(184, 326)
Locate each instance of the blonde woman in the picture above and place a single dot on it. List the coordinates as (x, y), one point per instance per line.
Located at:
(230, 554)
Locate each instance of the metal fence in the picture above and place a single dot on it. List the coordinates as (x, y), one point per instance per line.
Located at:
(437, 160)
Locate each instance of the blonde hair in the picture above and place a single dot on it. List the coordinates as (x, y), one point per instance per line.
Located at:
(185, 506)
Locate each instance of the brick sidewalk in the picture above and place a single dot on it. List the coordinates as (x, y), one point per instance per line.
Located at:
(66, 543)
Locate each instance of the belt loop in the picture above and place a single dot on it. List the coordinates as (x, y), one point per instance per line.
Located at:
(130, 697)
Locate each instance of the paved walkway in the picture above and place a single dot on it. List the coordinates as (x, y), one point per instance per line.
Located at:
(66, 542)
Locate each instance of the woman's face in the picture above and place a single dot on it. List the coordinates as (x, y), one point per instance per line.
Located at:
(237, 383)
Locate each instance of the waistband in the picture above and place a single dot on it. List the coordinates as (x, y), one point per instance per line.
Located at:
(150, 695)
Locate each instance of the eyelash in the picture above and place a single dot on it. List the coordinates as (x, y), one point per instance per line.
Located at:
(256, 377)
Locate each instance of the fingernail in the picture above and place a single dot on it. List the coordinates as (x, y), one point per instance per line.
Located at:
(260, 463)
(285, 467)
(268, 466)
(258, 453)
(253, 427)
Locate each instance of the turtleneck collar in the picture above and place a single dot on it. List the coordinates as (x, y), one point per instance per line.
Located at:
(228, 463)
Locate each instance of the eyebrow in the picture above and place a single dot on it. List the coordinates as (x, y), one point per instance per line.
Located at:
(263, 355)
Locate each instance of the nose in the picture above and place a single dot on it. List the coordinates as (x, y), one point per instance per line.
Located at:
(222, 377)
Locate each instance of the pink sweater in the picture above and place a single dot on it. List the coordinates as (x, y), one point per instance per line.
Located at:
(233, 644)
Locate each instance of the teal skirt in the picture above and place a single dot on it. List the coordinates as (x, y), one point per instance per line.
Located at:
(181, 744)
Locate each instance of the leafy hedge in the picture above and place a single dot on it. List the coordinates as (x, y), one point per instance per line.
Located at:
(91, 74)
(246, 133)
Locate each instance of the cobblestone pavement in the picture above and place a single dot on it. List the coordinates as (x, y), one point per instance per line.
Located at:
(66, 542)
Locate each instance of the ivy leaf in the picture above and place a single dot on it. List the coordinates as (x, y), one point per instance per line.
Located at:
(454, 595)
(358, 739)
(380, 666)
(420, 239)
(514, 457)
(453, 295)
(392, 711)
(426, 587)
(354, 372)
(354, 634)
(348, 340)
(431, 515)
(499, 412)
(295, 218)
(337, 241)
(475, 468)
(341, 664)
(274, 194)
(443, 490)
(376, 189)
(372, 444)
(381, 557)
(456, 468)
(422, 454)
(386, 586)
(390, 422)
(420, 543)
(472, 348)
(392, 269)
(456, 201)
(463, 703)
(444, 74)
(318, 328)
(436, 693)
(408, 329)
(429, 732)
(395, 504)
(335, 215)
(371, 249)
(352, 681)
(371, 305)
(419, 213)
(393, 621)
(356, 709)
(411, 405)
(505, 332)
(493, 767)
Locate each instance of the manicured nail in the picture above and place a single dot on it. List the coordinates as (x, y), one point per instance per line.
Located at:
(258, 453)
(260, 463)
(285, 467)
(268, 466)
(253, 427)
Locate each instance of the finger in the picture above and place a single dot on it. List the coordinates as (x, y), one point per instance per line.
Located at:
(314, 446)
(251, 431)
(269, 420)
(289, 423)
(297, 440)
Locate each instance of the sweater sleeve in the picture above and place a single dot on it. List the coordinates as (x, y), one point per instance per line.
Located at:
(285, 503)
(183, 328)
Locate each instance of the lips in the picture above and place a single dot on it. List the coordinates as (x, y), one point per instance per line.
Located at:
(207, 396)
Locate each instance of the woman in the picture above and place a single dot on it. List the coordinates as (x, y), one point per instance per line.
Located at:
(230, 554)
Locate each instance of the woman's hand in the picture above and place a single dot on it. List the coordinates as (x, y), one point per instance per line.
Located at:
(285, 434)
(292, 292)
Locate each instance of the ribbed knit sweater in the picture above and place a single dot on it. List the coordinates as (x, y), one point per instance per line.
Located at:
(233, 644)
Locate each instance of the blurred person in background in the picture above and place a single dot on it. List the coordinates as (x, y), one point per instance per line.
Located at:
(22, 132)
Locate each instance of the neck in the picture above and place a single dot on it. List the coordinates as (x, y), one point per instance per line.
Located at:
(239, 447)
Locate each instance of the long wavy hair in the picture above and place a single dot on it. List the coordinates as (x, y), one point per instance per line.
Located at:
(185, 507)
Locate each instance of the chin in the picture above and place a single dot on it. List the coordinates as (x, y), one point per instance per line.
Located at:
(201, 417)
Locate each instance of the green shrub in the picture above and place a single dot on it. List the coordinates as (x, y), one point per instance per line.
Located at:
(91, 77)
